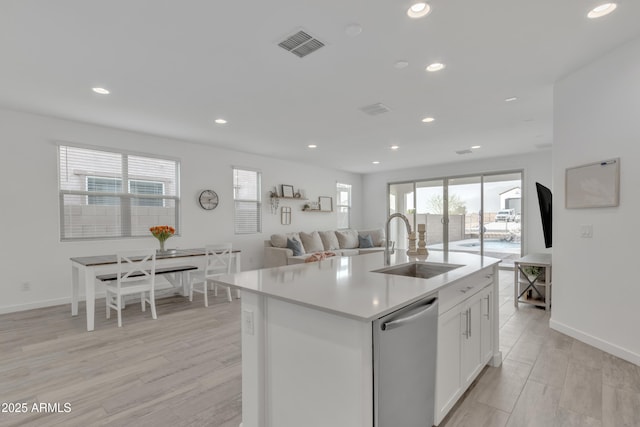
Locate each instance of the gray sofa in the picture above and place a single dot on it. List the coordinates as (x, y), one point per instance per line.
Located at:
(341, 242)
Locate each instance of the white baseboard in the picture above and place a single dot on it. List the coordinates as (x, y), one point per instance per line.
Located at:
(601, 344)
(35, 304)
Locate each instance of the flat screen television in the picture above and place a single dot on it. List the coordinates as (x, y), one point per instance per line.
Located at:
(544, 200)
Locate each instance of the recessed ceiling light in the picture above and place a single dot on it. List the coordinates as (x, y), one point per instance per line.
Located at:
(221, 121)
(475, 147)
(418, 10)
(513, 98)
(401, 64)
(602, 10)
(353, 30)
(375, 162)
(312, 146)
(394, 147)
(101, 90)
(436, 66)
(428, 120)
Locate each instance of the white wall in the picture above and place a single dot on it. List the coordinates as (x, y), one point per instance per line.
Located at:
(30, 248)
(536, 166)
(596, 285)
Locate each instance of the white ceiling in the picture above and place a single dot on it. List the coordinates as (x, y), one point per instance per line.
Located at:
(174, 66)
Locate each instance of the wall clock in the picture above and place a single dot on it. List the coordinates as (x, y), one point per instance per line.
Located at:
(208, 200)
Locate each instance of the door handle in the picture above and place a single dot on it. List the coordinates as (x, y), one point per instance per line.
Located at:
(488, 307)
(466, 324)
(409, 319)
(469, 320)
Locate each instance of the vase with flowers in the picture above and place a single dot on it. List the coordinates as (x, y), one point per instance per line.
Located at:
(162, 233)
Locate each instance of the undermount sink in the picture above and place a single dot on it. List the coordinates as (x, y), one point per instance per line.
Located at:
(422, 270)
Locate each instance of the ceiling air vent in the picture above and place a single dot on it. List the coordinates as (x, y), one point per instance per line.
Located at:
(375, 109)
(301, 44)
(465, 151)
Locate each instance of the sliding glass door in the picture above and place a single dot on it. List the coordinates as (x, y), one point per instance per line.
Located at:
(480, 214)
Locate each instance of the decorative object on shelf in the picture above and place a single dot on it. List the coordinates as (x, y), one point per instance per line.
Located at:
(412, 244)
(285, 215)
(532, 271)
(162, 233)
(287, 190)
(311, 207)
(422, 243)
(208, 200)
(275, 201)
(297, 195)
(325, 203)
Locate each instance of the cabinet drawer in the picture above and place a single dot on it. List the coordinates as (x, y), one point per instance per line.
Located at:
(464, 288)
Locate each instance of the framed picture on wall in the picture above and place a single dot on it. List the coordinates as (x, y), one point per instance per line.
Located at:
(326, 203)
(287, 190)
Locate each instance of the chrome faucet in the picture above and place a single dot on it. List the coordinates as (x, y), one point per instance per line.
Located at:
(387, 255)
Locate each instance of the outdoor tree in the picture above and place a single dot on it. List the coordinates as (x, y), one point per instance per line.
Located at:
(435, 205)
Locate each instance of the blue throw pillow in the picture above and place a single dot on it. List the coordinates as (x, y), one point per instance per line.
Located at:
(295, 246)
(365, 241)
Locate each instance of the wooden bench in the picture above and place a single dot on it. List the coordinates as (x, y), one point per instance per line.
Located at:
(166, 270)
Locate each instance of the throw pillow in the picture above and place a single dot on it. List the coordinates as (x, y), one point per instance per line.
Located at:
(311, 242)
(329, 240)
(348, 239)
(377, 235)
(365, 241)
(295, 246)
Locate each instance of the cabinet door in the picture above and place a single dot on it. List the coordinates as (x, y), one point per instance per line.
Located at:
(471, 338)
(486, 335)
(448, 364)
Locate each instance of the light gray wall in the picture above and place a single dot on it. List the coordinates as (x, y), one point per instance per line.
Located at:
(536, 166)
(31, 251)
(595, 281)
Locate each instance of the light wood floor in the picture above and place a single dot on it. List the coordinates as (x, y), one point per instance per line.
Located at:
(184, 370)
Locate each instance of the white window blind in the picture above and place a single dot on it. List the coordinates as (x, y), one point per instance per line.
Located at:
(247, 200)
(343, 205)
(109, 194)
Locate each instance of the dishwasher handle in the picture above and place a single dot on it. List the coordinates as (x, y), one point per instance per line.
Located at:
(409, 319)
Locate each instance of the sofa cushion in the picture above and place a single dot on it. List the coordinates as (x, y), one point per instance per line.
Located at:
(377, 236)
(280, 240)
(365, 241)
(349, 252)
(295, 246)
(348, 239)
(329, 240)
(311, 242)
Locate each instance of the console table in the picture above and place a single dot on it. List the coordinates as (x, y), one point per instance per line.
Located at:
(527, 287)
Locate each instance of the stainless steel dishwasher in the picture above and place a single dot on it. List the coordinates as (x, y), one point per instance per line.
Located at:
(404, 365)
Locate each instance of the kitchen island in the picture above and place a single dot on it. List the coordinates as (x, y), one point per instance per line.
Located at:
(307, 341)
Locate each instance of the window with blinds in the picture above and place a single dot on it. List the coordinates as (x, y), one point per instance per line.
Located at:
(247, 201)
(343, 205)
(114, 194)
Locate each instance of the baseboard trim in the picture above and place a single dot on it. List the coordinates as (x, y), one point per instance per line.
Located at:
(601, 344)
(36, 304)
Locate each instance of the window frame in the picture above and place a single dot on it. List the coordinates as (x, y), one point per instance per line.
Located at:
(339, 206)
(257, 201)
(126, 230)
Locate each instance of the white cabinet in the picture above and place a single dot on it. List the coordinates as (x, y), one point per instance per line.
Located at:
(486, 317)
(471, 335)
(448, 363)
(466, 340)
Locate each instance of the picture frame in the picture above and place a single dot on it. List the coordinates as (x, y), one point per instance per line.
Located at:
(287, 190)
(594, 185)
(285, 215)
(325, 203)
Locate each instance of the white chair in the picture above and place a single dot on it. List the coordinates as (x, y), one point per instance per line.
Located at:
(136, 275)
(217, 261)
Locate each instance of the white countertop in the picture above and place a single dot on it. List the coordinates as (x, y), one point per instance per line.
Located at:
(347, 286)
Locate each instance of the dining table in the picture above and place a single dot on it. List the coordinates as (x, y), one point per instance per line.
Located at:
(85, 270)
